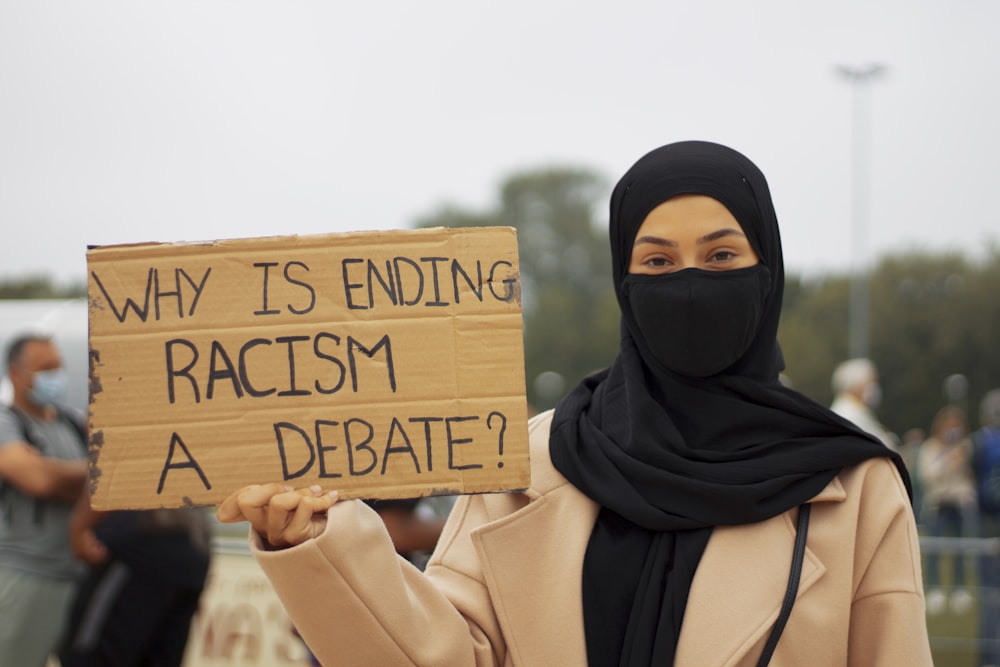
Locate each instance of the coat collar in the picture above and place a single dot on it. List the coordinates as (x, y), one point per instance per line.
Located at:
(739, 585)
(532, 562)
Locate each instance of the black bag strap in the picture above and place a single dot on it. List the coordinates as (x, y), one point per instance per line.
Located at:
(801, 532)
(22, 420)
(22, 423)
(61, 413)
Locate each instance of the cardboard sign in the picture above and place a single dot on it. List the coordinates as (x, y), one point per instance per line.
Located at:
(384, 365)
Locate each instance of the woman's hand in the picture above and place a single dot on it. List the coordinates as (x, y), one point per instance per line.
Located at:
(281, 515)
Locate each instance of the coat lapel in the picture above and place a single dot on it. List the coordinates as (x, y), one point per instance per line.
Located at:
(735, 597)
(740, 584)
(532, 562)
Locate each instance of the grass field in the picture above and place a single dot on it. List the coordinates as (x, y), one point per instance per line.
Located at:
(954, 634)
(954, 613)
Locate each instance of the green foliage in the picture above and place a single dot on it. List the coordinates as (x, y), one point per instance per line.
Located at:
(39, 287)
(813, 333)
(932, 316)
(570, 314)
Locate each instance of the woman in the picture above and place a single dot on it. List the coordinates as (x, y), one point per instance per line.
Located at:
(947, 481)
(664, 508)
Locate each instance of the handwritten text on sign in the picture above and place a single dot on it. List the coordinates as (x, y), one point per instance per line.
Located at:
(384, 364)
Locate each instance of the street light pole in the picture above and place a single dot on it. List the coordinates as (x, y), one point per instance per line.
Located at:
(859, 322)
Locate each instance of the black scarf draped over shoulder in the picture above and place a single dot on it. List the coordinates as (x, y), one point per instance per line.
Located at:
(669, 457)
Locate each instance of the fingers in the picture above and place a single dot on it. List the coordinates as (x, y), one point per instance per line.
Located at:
(296, 516)
(248, 500)
(281, 515)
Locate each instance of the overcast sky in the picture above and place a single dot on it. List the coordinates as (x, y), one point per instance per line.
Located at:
(125, 121)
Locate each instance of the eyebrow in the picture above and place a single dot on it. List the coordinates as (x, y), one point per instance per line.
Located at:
(707, 238)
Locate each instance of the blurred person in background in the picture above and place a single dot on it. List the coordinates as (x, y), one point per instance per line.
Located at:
(43, 468)
(147, 570)
(949, 502)
(909, 449)
(857, 394)
(986, 466)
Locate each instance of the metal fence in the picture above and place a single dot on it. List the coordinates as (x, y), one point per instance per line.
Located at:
(963, 617)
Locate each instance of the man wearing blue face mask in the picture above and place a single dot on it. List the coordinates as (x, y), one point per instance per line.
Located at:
(42, 473)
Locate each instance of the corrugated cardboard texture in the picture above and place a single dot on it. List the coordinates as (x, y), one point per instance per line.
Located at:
(385, 365)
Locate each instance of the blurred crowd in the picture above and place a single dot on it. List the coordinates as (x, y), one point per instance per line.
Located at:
(954, 466)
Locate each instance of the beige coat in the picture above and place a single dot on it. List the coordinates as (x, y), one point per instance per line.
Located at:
(503, 587)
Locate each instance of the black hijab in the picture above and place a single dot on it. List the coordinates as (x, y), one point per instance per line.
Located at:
(668, 457)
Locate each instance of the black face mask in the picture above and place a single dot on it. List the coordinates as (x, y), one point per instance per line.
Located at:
(694, 322)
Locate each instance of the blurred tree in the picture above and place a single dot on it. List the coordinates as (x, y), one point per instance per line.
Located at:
(813, 333)
(933, 315)
(39, 287)
(570, 313)
(937, 315)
